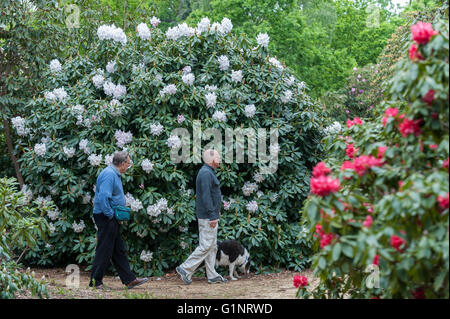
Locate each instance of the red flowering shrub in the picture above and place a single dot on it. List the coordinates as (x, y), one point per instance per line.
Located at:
(388, 206)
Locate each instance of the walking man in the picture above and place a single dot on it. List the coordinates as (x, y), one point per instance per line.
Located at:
(110, 245)
(208, 203)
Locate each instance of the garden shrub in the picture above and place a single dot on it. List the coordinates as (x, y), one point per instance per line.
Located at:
(379, 203)
(129, 91)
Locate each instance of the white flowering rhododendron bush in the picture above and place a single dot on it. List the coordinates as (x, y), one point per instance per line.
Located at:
(130, 91)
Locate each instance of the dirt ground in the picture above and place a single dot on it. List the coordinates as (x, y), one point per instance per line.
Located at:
(170, 286)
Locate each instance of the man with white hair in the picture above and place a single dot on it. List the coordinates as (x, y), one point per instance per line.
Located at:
(208, 203)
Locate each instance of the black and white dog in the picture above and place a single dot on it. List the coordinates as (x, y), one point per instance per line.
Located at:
(232, 254)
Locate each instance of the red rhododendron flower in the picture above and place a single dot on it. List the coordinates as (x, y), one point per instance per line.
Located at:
(429, 97)
(325, 240)
(350, 150)
(422, 32)
(419, 293)
(390, 112)
(408, 126)
(433, 146)
(300, 281)
(321, 170)
(381, 151)
(443, 201)
(445, 163)
(397, 243)
(356, 121)
(368, 222)
(414, 53)
(364, 162)
(324, 185)
(376, 260)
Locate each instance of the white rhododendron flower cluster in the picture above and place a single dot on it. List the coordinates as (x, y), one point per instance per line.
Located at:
(98, 80)
(133, 203)
(53, 214)
(123, 138)
(276, 63)
(69, 151)
(249, 188)
(287, 96)
(147, 166)
(84, 146)
(250, 110)
(169, 89)
(220, 116)
(156, 129)
(211, 99)
(146, 256)
(143, 31)
(236, 76)
(154, 21)
(263, 40)
(111, 32)
(156, 209)
(40, 149)
(224, 62)
(78, 227)
(252, 206)
(111, 66)
(173, 141)
(334, 128)
(58, 94)
(95, 160)
(117, 91)
(55, 66)
(19, 125)
(188, 79)
(203, 25)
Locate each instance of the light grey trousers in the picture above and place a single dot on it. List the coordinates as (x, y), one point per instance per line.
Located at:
(206, 251)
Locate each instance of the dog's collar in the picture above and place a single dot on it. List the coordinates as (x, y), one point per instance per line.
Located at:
(246, 259)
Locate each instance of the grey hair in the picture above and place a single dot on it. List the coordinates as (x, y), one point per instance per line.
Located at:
(209, 155)
(120, 157)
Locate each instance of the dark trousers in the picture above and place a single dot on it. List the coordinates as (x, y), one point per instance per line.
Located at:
(110, 247)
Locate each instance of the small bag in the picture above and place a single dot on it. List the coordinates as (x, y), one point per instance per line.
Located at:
(121, 213)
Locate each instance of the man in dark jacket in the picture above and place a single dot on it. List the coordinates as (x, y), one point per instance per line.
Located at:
(110, 245)
(208, 203)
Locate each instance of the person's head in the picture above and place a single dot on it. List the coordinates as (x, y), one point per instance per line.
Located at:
(212, 158)
(122, 161)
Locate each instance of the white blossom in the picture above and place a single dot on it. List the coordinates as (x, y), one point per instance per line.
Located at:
(187, 69)
(109, 159)
(258, 177)
(290, 81)
(95, 160)
(220, 116)
(19, 125)
(77, 109)
(252, 206)
(169, 89)
(86, 198)
(226, 205)
(224, 63)
(44, 201)
(57, 94)
(53, 214)
(52, 228)
(153, 210)
(276, 63)
(143, 31)
(146, 256)
(188, 79)
(55, 66)
(173, 141)
(111, 32)
(156, 129)
(203, 25)
(259, 194)
(69, 151)
(287, 96)
(111, 66)
(249, 188)
(98, 80)
(116, 91)
(78, 228)
(183, 245)
(227, 26)
(122, 138)
(154, 21)
(133, 203)
(250, 110)
(236, 76)
(211, 99)
(180, 118)
(211, 88)
(334, 128)
(114, 107)
(28, 193)
(40, 149)
(263, 40)
(83, 146)
(147, 166)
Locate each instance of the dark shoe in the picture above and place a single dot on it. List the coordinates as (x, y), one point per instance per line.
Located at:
(183, 275)
(137, 282)
(217, 280)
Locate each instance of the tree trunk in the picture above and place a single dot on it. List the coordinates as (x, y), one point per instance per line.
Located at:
(11, 152)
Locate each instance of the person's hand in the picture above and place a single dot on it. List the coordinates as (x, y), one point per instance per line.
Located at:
(213, 223)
